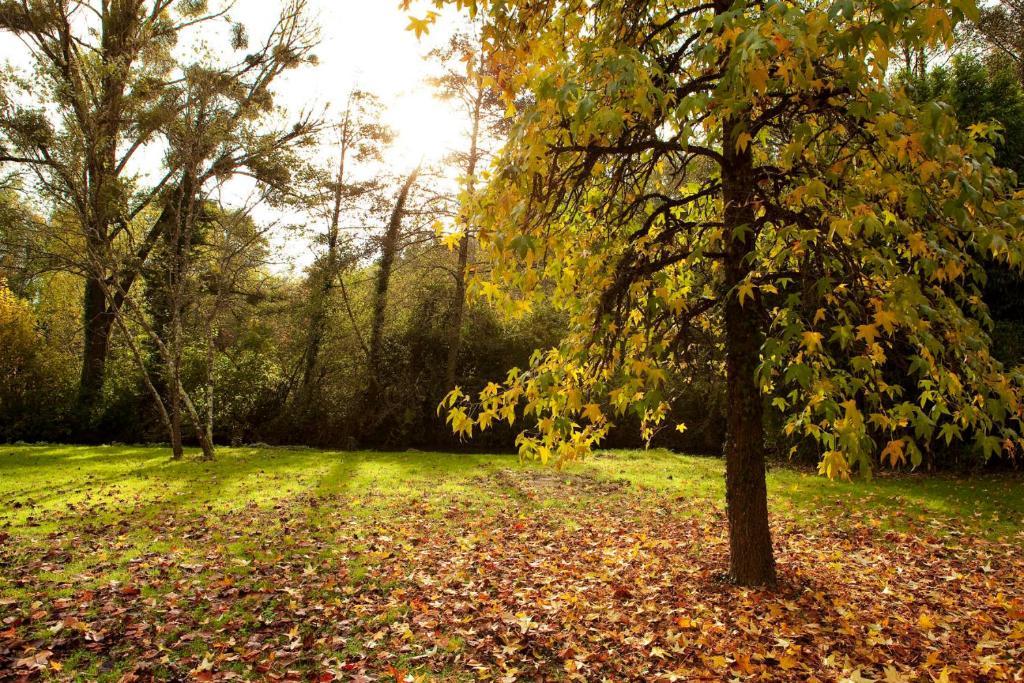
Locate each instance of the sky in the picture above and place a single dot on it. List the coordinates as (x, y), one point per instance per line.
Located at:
(365, 45)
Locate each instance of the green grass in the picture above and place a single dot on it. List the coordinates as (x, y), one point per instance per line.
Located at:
(39, 482)
(990, 504)
(43, 486)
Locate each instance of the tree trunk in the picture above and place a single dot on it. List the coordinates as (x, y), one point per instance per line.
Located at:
(372, 407)
(177, 450)
(388, 253)
(205, 443)
(158, 401)
(752, 562)
(210, 358)
(458, 316)
(174, 370)
(97, 322)
(459, 302)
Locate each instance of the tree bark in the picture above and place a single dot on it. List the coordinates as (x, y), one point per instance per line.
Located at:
(458, 315)
(372, 409)
(97, 322)
(205, 443)
(210, 358)
(752, 562)
(174, 370)
(100, 187)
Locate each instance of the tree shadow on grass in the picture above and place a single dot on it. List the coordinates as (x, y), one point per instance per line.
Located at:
(111, 481)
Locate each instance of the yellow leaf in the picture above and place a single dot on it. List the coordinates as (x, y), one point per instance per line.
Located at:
(918, 245)
(746, 291)
(894, 452)
(421, 26)
(887, 319)
(759, 78)
(926, 621)
(593, 413)
(868, 333)
(928, 170)
(743, 141)
(787, 662)
(834, 466)
(812, 341)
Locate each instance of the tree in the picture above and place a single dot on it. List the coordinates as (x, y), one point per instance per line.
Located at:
(35, 376)
(983, 92)
(390, 245)
(103, 73)
(361, 139)
(468, 82)
(112, 87)
(1001, 29)
(225, 124)
(230, 272)
(748, 168)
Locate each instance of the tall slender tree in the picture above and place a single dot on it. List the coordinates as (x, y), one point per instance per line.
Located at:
(390, 245)
(361, 139)
(467, 81)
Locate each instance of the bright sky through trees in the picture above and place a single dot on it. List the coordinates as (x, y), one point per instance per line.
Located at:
(365, 44)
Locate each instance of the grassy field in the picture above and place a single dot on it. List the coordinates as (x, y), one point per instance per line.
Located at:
(117, 563)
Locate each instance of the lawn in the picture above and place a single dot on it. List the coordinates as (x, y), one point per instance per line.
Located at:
(119, 564)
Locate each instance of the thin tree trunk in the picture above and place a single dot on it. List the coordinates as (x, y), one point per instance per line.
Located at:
(389, 251)
(210, 357)
(459, 302)
(371, 405)
(158, 401)
(458, 315)
(177, 450)
(204, 443)
(752, 562)
(318, 322)
(179, 243)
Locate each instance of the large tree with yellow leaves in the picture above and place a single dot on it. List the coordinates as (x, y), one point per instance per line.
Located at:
(747, 167)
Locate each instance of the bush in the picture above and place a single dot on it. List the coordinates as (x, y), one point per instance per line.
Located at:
(34, 385)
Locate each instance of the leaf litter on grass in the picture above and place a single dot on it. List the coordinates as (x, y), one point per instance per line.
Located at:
(538, 576)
